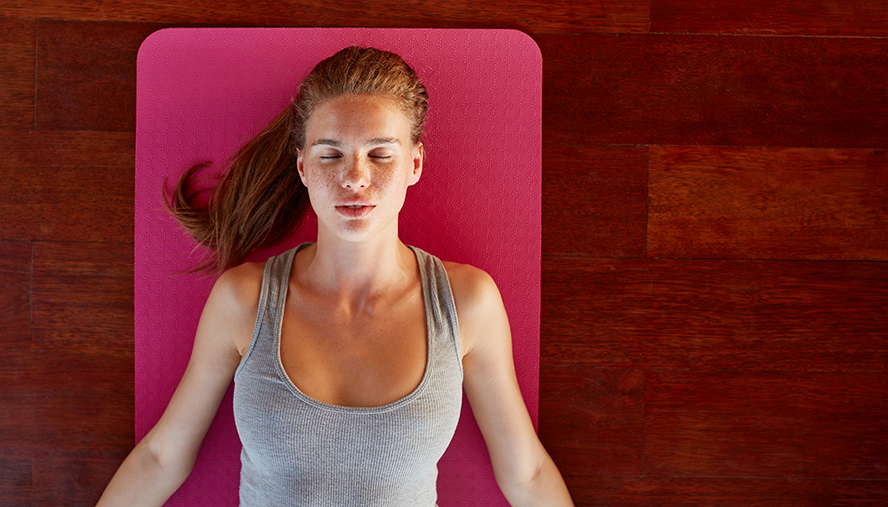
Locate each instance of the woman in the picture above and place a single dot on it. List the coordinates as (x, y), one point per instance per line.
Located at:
(350, 354)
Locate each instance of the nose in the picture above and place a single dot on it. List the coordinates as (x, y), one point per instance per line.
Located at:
(356, 174)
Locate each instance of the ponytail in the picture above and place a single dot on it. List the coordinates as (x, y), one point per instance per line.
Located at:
(258, 202)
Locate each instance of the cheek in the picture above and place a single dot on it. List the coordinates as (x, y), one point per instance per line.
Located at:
(317, 181)
(384, 179)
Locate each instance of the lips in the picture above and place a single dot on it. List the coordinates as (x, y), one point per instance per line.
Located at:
(354, 210)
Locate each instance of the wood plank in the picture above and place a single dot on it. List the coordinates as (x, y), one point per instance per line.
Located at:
(81, 395)
(715, 90)
(595, 200)
(709, 492)
(15, 483)
(591, 420)
(86, 74)
(16, 415)
(71, 483)
(572, 17)
(66, 406)
(647, 313)
(80, 407)
(15, 295)
(67, 186)
(766, 424)
(768, 203)
(18, 42)
(83, 297)
(787, 17)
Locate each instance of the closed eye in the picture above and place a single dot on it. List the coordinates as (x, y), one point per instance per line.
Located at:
(381, 154)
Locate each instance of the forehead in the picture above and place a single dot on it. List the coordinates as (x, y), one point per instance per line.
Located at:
(358, 117)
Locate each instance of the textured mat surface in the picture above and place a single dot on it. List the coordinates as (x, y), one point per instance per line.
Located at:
(202, 92)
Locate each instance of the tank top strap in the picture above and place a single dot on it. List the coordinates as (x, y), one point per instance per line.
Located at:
(440, 306)
(272, 298)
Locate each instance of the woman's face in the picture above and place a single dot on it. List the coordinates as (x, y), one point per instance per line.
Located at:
(357, 163)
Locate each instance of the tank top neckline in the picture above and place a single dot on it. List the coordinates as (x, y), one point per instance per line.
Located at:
(279, 364)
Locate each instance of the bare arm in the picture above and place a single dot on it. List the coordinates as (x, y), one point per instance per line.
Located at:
(161, 462)
(523, 469)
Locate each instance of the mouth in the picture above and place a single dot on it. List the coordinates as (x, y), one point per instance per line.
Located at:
(354, 210)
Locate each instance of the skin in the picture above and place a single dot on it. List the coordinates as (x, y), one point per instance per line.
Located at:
(353, 330)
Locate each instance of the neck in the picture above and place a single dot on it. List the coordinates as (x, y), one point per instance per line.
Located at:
(356, 272)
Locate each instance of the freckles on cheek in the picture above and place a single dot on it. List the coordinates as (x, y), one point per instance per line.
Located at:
(384, 178)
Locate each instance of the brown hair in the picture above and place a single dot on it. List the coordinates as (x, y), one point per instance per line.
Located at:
(260, 200)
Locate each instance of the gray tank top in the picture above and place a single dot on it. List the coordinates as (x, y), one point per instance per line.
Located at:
(301, 451)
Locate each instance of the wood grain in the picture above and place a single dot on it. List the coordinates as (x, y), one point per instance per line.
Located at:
(15, 482)
(71, 483)
(75, 406)
(591, 420)
(715, 90)
(648, 313)
(83, 297)
(67, 186)
(16, 416)
(572, 17)
(767, 203)
(15, 295)
(18, 39)
(718, 492)
(787, 17)
(78, 381)
(595, 200)
(86, 74)
(766, 424)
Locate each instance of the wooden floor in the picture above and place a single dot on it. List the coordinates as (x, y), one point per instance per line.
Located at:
(715, 224)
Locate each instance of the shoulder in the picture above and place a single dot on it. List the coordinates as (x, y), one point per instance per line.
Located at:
(469, 284)
(479, 306)
(234, 301)
(239, 286)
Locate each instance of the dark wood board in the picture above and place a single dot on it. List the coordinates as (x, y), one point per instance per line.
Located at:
(86, 74)
(15, 482)
(77, 406)
(862, 18)
(83, 297)
(766, 424)
(18, 41)
(591, 419)
(552, 17)
(595, 200)
(768, 203)
(715, 90)
(15, 295)
(746, 315)
(718, 492)
(67, 186)
(71, 482)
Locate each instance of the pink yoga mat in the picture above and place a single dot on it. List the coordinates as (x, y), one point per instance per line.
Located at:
(203, 92)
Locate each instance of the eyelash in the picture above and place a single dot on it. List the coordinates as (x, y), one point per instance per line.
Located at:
(377, 157)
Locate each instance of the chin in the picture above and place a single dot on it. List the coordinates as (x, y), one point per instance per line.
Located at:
(353, 232)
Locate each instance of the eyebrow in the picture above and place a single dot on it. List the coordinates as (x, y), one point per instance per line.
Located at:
(373, 142)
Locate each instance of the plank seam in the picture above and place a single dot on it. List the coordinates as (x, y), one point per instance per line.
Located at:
(779, 35)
